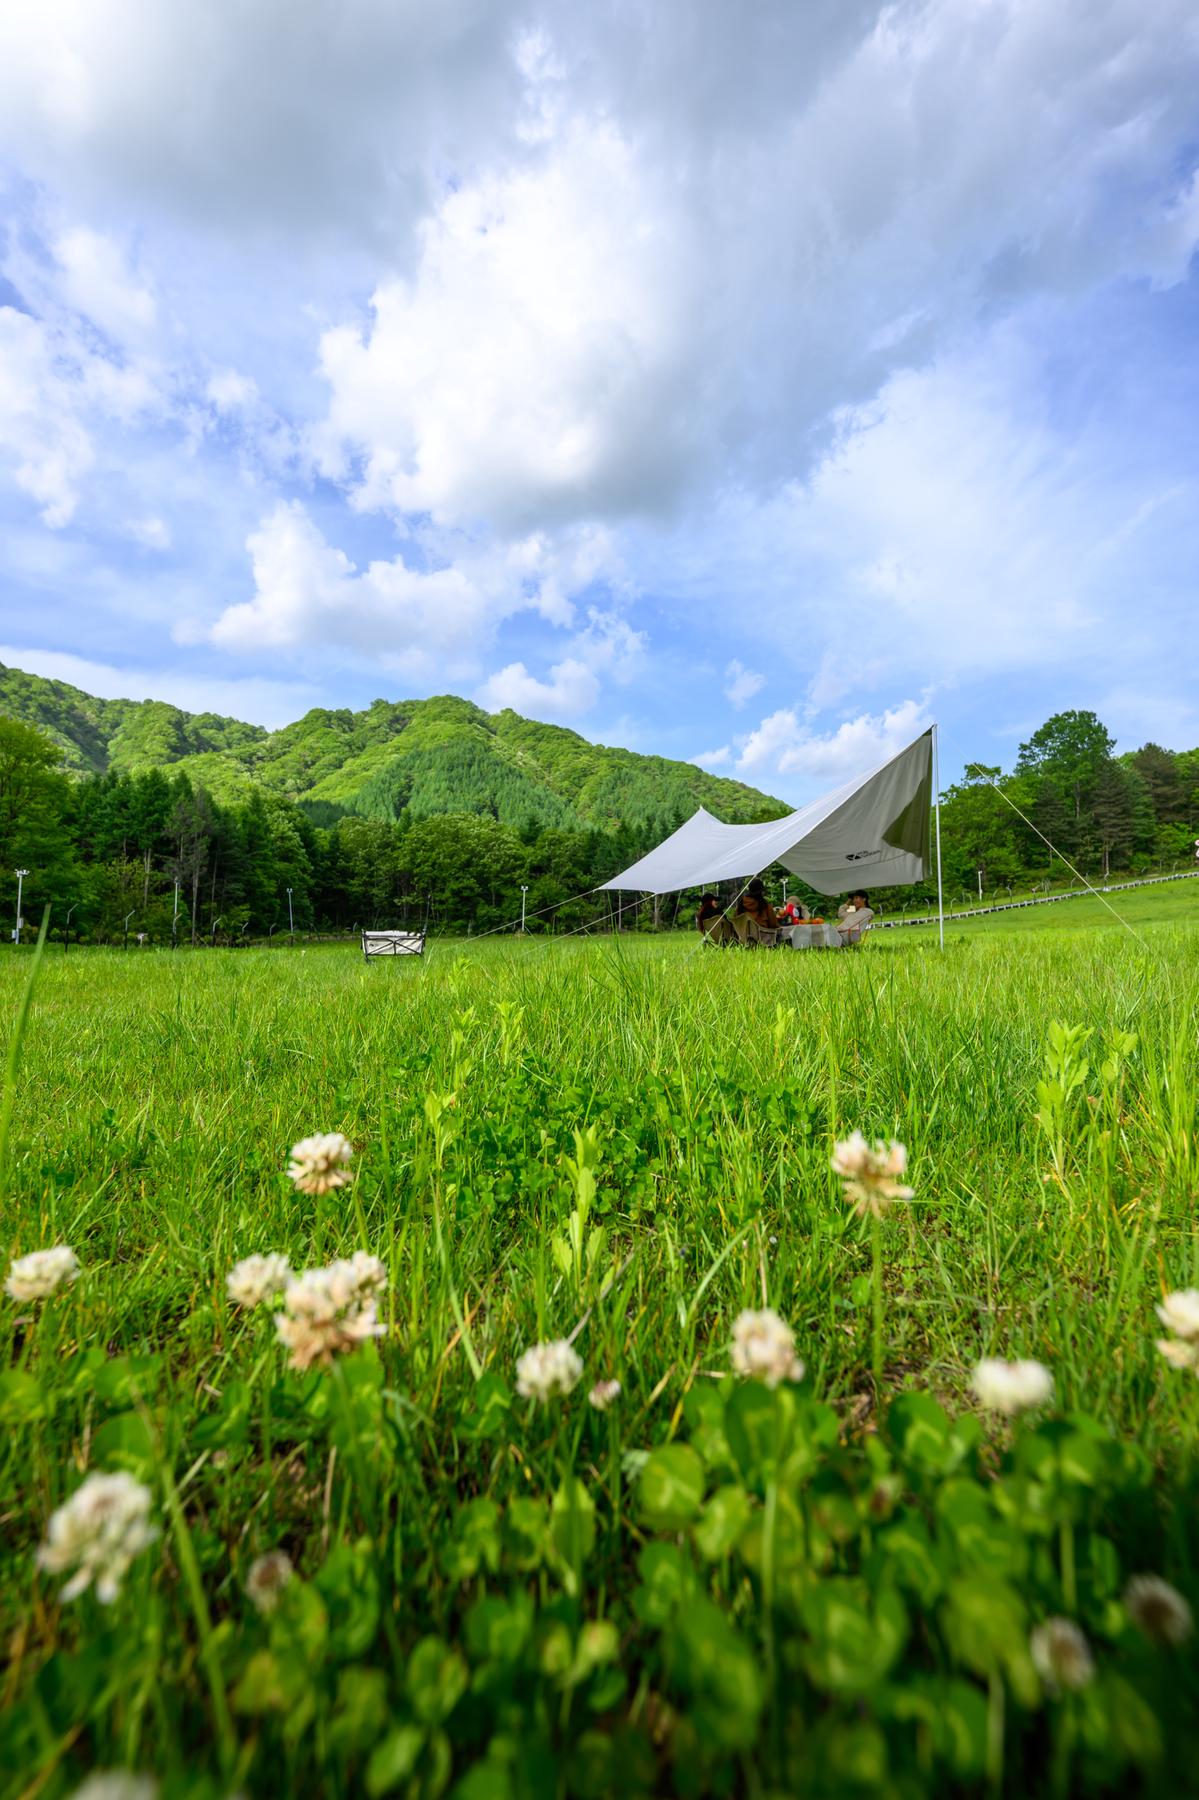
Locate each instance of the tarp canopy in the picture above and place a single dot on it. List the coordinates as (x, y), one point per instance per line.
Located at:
(873, 832)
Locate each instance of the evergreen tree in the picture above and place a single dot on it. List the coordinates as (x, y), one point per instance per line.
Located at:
(1071, 747)
(34, 810)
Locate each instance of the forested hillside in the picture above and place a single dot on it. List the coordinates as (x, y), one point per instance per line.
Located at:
(192, 824)
(419, 757)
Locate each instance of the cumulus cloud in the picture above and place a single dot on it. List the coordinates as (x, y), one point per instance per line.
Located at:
(63, 388)
(712, 759)
(741, 684)
(43, 439)
(572, 689)
(152, 532)
(230, 391)
(652, 306)
(307, 592)
(98, 284)
(606, 646)
(615, 291)
(249, 123)
(785, 744)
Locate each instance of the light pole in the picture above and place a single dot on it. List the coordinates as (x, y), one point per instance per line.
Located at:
(291, 923)
(980, 884)
(21, 874)
(128, 916)
(524, 888)
(784, 890)
(215, 923)
(66, 942)
(270, 934)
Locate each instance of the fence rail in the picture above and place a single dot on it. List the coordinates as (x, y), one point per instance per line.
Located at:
(978, 912)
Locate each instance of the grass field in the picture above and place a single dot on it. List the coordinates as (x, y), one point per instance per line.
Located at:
(832, 1586)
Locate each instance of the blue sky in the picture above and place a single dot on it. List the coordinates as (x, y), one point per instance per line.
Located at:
(751, 386)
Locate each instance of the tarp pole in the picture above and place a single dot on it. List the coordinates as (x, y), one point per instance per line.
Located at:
(937, 817)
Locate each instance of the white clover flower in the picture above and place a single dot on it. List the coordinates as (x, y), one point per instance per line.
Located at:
(1011, 1387)
(267, 1577)
(42, 1273)
(1158, 1610)
(870, 1173)
(1061, 1655)
(764, 1346)
(257, 1279)
(327, 1312)
(548, 1369)
(370, 1272)
(1179, 1313)
(117, 1784)
(320, 1164)
(1178, 1353)
(603, 1394)
(98, 1532)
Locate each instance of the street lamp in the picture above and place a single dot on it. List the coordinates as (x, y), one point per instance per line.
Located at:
(21, 874)
(980, 884)
(274, 928)
(128, 916)
(524, 888)
(291, 923)
(215, 923)
(66, 943)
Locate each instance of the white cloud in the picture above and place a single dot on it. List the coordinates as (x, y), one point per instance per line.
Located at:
(609, 643)
(308, 593)
(151, 532)
(668, 296)
(62, 389)
(741, 684)
(712, 759)
(98, 284)
(231, 392)
(736, 288)
(764, 747)
(248, 122)
(43, 439)
(572, 689)
(785, 744)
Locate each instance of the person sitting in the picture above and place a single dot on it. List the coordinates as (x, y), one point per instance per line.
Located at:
(754, 914)
(854, 918)
(712, 922)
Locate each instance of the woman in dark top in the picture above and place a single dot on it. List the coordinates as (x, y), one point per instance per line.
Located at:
(712, 922)
(754, 914)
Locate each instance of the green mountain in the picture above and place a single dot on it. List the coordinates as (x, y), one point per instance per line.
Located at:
(420, 756)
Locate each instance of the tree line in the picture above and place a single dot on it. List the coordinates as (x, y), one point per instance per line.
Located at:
(153, 854)
(1106, 814)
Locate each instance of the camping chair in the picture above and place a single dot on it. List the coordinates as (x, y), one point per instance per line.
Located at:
(393, 943)
(752, 936)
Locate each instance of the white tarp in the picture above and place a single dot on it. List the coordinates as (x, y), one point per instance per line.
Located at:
(871, 833)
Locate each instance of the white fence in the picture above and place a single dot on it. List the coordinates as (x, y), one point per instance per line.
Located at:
(978, 912)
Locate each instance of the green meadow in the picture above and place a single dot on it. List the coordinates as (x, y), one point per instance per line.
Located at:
(835, 1585)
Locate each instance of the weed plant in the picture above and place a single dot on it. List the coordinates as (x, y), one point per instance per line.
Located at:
(394, 1573)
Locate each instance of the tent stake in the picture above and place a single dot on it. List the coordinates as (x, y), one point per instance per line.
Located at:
(937, 816)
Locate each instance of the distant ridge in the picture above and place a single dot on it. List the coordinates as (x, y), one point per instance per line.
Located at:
(418, 757)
